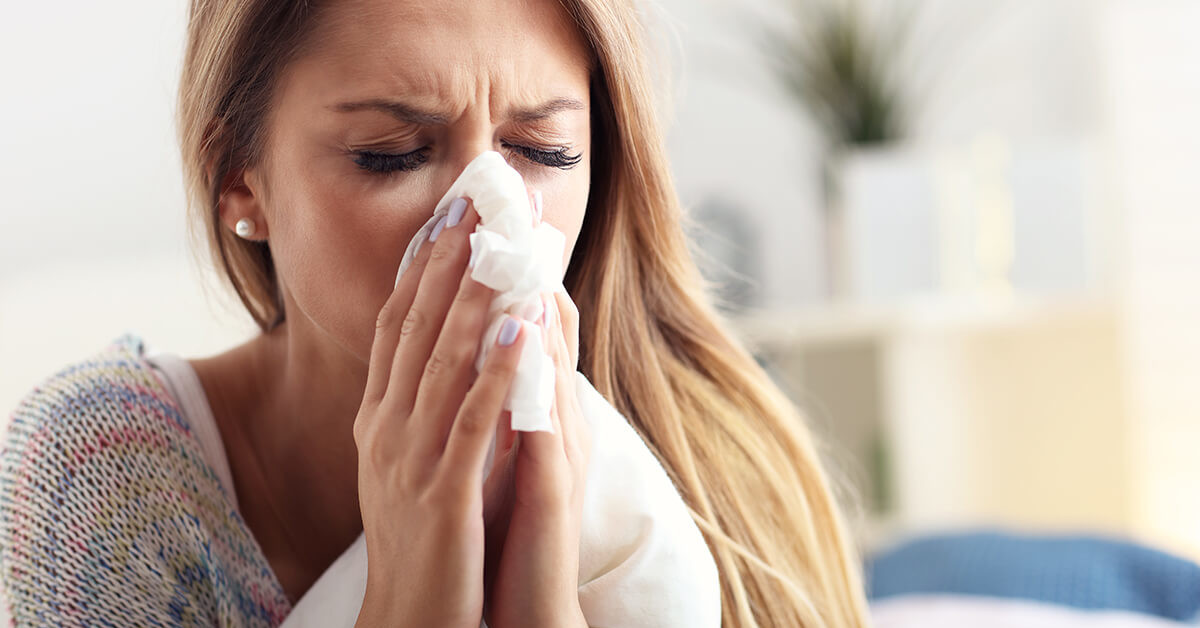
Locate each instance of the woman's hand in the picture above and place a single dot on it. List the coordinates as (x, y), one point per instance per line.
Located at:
(422, 433)
(533, 544)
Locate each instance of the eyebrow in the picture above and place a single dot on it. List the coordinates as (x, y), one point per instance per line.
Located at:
(547, 109)
(413, 115)
(401, 111)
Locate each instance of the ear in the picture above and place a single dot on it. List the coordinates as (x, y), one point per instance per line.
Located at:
(242, 197)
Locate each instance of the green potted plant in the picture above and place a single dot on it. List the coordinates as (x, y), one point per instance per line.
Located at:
(846, 69)
(843, 68)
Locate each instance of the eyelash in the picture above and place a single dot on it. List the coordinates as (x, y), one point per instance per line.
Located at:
(552, 158)
(387, 163)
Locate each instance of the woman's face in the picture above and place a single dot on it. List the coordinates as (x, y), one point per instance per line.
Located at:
(433, 82)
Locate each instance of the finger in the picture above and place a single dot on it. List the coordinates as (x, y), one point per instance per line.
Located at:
(576, 437)
(569, 315)
(497, 514)
(497, 485)
(475, 422)
(450, 369)
(506, 439)
(441, 279)
(549, 346)
(499, 478)
(542, 466)
(564, 378)
(388, 324)
(544, 449)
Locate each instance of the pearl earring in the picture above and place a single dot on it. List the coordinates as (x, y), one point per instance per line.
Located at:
(245, 227)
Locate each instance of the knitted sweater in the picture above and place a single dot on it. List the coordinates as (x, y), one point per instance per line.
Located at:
(110, 514)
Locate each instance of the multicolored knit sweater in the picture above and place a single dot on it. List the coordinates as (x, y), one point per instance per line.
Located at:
(110, 515)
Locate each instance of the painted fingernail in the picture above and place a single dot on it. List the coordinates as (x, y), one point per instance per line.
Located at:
(508, 331)
(437, 229)
(458, 207)
(537, 204)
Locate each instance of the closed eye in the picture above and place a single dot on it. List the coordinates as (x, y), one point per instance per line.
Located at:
(558, 158)
(386, 163)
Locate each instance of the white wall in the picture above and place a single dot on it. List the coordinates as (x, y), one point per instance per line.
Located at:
(92, 232)
(736, 139)
(88, 161)
(1151, 96)
(1022, 69)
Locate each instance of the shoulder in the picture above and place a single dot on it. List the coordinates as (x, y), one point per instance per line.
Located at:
(107, 404)
(111, 384)
(104, 494)
(643, 560)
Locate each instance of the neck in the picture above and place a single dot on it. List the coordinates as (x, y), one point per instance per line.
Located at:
(300, 428)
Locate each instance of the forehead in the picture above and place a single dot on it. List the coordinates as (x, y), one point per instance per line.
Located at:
(446, 51)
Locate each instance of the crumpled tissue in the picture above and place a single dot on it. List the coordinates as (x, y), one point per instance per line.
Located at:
(517, 259)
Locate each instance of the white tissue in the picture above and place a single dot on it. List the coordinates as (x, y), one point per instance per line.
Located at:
(517, 260)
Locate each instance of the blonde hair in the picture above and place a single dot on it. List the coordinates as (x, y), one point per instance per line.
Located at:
(650, 341)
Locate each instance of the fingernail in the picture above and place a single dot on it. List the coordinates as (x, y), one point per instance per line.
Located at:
(531, 312)
(458, 207)
(537, 204)
(437, 229)
(508, 331)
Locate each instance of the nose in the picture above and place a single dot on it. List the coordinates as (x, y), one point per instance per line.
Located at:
(465, 144)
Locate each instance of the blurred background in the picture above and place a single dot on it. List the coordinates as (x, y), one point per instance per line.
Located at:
(960, 233)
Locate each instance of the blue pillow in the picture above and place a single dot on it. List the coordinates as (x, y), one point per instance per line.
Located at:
(1084, 572)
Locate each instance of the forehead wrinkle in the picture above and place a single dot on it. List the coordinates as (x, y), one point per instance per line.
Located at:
(384, 50)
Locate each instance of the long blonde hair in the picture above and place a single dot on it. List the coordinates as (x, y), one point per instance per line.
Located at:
(650, 341)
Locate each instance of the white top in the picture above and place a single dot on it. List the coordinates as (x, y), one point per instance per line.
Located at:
(184, 385)
(642, 561)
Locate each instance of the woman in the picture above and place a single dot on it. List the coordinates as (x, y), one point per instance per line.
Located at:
(316, 137)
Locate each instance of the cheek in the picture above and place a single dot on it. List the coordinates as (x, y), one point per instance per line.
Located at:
(339, 242)
(564, 206)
